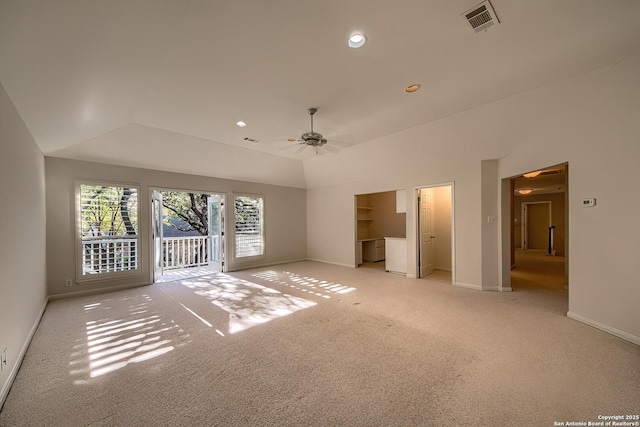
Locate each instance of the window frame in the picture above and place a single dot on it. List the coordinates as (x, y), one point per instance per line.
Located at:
(81, 278)
(249, 258)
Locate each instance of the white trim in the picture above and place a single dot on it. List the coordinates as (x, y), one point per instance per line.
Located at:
(95, 291)
(239, 262)
(23, 351)
(83, 279)
(224, 241)
(468, 286)
(330, 262)
(416, 190)
(269, 264)
(613, 331)
(504, 289)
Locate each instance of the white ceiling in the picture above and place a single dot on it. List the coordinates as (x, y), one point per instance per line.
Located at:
(78, 70)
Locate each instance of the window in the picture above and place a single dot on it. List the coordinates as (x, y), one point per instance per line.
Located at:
(249, 226)
(108, 229)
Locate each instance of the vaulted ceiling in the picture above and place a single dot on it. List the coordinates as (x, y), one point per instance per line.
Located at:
(91, 70)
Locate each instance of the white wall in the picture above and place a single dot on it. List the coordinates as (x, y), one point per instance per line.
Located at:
(22, 230)
(489, 228)
(285, 220)
(204, 157)
(592, 122)
(407, 160)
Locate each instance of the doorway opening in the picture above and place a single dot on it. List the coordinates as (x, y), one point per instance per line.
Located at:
(539, 230)
(435, 233)
(380, 218)
(188, 234)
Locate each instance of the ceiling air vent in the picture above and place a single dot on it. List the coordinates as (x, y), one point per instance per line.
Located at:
(481, 16)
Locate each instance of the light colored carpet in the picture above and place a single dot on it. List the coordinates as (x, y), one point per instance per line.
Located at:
(313, 344)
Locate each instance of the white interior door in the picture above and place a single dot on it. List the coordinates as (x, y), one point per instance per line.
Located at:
(427, 237)
(158, 256)
(216, 231)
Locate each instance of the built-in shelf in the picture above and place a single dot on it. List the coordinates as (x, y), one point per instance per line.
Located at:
(364, 216)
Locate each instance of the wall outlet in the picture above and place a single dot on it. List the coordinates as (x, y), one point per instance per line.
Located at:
(69, 282)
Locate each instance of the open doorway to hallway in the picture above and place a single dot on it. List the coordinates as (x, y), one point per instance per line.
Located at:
(539, 232)
(435, 233)
(188, 234)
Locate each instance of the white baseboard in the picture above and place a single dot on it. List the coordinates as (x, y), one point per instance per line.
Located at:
(267, 264)
(329, 262)
(504, 289)
(98, 290)
(613, 331)
(468, 286)
(16, 367)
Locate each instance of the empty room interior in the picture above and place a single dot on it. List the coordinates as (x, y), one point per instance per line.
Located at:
(329, 213)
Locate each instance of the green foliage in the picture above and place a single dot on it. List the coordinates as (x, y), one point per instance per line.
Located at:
(248, 214)
(188, 207)
(109, 211)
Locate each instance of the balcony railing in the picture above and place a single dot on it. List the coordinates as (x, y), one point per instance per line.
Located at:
(110, 254)
(183, 252)
(249, 244)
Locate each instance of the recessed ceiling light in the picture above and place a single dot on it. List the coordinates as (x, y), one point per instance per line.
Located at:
(525, 190)
(241, 124)
(357, 40)
(412, 88)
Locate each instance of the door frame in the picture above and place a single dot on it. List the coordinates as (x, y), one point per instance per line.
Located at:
(223, 230)
(416, 210)
(156, 196)
(505, 231)
(220, 263)
(429, 222)
(525, 220)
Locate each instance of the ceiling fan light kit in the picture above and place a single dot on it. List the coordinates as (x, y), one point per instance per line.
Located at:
(311, 138)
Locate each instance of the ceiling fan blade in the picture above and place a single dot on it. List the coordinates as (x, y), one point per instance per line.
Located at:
(299, 150)
(331, 148)
(343, 141)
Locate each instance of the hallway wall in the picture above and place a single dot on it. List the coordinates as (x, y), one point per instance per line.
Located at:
(558, 214)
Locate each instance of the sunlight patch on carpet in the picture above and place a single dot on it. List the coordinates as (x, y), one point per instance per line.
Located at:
(248, 304)
(111, 342)
(311, 285)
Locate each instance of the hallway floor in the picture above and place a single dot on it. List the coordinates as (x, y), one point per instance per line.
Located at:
(534, 269)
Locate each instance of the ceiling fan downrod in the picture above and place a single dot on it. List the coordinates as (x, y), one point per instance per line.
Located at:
(311, 112)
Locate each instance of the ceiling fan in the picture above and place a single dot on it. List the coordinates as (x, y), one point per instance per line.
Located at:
(311, 138)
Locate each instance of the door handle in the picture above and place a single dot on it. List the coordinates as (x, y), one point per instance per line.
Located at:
(433, 237)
